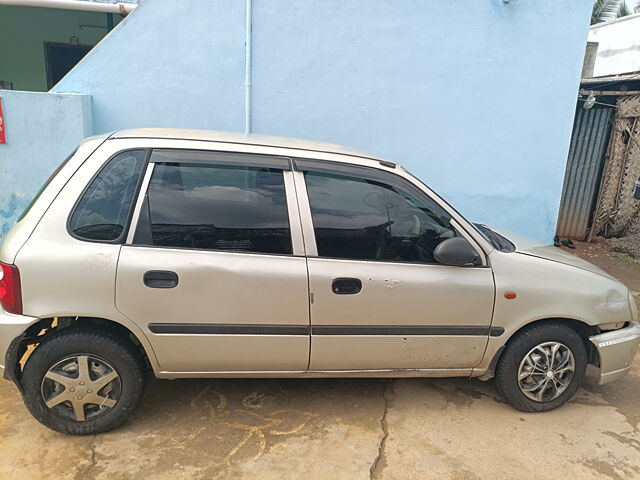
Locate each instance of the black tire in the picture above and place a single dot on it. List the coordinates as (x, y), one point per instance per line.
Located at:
(506, 376)
(116, 349)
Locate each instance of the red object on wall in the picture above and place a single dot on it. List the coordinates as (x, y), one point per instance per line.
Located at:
(3, 136)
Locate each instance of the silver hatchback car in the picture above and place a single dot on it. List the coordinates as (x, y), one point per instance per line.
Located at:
(202, 254)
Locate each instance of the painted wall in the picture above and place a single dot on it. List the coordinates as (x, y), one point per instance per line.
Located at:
(191, 75)
(23, 32)
(42, 129)
(618, 46)
(477, 98)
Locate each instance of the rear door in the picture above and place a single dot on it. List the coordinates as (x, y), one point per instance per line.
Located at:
(379, 300)
(215, 271)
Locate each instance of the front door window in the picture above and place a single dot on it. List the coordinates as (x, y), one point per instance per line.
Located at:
(362, 219)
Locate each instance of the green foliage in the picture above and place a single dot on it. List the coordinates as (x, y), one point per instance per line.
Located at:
(605, 10)
(623, 11)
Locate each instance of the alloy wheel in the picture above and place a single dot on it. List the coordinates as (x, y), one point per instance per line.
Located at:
(546, 371)
(81, 387)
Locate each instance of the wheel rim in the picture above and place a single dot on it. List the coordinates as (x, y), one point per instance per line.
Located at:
(81, 387)
(546, 371)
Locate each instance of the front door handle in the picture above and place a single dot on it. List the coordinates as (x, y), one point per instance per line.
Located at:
(160, 279)
(346, 286)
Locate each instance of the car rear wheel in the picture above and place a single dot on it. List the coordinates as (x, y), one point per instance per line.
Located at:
(83, 381)
(541, 367)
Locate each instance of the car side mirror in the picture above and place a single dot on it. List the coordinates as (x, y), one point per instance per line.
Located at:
(457, 252)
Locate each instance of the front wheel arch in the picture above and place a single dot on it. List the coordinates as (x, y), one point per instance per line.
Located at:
(583, 329)
(542, 383)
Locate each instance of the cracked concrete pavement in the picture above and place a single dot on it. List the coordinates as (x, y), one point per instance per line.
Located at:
(341, 429)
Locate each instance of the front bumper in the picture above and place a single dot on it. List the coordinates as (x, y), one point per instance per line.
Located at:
(616, 350)
(11, 326)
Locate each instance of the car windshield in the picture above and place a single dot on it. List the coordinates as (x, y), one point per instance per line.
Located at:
(494, 238)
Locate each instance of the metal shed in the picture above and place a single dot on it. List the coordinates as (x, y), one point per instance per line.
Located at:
(585, 164)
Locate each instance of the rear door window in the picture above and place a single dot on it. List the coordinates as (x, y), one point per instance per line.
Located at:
(103, 211)
(217, 207)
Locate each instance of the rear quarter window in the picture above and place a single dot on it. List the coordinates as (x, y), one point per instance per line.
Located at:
(103, 210)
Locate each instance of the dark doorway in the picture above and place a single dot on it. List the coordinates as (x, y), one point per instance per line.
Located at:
(60, 58)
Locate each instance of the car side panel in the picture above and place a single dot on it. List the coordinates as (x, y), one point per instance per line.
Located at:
(547, 289)
(219, 294)
(400, 297)
(63, 276)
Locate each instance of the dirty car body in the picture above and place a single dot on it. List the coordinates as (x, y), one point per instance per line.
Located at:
(203, 254)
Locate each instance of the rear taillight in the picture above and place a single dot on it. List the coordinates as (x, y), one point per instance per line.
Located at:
(10, 297)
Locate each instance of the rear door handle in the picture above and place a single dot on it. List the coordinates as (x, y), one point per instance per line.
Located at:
(346, 286)
(160, 279)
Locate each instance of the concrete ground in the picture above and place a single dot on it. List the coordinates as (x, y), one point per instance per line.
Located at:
(342, 429)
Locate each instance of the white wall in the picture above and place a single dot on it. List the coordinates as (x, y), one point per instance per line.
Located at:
(618, 46)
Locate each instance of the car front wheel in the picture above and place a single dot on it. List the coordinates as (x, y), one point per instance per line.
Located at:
(541, 367)
(83, 381)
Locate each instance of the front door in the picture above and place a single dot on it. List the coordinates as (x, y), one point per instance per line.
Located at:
(379, 300)
(213, 274)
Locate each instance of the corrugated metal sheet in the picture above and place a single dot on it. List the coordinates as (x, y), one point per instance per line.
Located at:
(589, 142)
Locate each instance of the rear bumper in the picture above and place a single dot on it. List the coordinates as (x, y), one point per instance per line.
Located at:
(616, 350)
(11, 326)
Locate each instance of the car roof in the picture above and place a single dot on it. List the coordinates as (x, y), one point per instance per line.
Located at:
(244, 139)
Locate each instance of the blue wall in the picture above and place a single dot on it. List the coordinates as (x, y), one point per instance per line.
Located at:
(475, 97)
(42, 129)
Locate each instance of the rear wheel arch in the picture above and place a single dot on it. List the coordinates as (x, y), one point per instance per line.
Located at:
(83, 379)
(18, 352)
